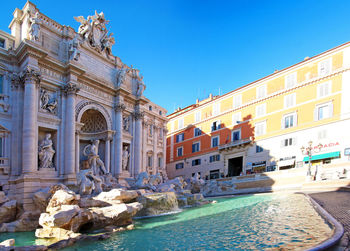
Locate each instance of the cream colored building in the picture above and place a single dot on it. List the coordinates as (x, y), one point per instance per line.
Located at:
(262, 126)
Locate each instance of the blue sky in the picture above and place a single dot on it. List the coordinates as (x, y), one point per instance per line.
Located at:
(187, 49)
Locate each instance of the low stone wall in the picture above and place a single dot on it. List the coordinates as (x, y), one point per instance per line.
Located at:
(271, 181)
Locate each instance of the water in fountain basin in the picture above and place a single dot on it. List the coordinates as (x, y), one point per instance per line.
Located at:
(258, 222)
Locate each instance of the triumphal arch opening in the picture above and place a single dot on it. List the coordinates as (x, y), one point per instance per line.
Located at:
(68, 104)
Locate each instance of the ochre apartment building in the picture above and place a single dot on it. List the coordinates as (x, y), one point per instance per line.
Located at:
(262, 126)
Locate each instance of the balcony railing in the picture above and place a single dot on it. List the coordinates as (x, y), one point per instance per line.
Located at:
(4, 161)
(235, 143)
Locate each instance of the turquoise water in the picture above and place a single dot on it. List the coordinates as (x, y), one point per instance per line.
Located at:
(241, 223)
(268, 222)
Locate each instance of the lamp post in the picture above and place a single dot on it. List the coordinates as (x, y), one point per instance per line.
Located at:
(309, 150)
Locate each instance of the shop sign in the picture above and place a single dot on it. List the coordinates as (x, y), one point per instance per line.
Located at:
(347, 151)
(328, 145)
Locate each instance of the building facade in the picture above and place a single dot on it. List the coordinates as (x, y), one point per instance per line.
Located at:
(262, 126)
(64, 97)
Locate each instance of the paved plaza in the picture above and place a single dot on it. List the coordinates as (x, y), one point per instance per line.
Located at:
(337, 203)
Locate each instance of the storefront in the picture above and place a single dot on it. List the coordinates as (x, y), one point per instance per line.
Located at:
(259, 167)
(324, 158)
(286, 163)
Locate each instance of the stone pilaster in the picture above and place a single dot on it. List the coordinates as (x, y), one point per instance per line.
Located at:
(108, 154)
(119, 108)
(31, 80)
(138, 142)
(70, 90)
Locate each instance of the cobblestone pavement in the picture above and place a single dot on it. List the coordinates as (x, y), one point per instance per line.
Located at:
(337, 203)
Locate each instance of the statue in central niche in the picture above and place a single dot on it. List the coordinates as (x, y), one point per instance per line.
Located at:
(96, 164)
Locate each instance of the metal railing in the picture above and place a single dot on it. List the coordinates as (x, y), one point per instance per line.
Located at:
(236, 143)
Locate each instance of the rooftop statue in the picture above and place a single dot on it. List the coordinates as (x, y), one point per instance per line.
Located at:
(93, 30)
(34, 29)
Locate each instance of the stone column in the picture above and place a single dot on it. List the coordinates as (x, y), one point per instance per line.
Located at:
(70, 91)
(108, 154)
(30, 116)
(77, 154)
(138, 142)
(119, 108)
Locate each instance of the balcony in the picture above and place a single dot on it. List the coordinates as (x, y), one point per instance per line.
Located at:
(236, 143)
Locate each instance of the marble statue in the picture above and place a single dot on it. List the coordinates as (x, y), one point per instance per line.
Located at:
(107, 42)
(46, 152)
(125, 158)
(140, 87)
(121, 75)
(74, 52)
(96, 164)
(94, 31)
(88, 182)
(34, 29)
(126, 123)
(46, 102)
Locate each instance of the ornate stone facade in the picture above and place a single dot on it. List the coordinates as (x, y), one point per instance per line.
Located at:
(68, 104)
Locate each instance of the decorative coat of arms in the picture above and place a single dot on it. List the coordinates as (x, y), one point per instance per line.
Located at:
(93, 30)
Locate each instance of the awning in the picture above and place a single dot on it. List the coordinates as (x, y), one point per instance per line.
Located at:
(323, 156)
(287, 162)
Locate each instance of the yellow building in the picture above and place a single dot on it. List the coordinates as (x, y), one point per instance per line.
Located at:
(262, 126)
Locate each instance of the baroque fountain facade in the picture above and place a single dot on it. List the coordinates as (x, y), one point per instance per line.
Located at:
(68, 104)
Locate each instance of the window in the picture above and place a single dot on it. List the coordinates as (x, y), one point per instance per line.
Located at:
(160, 161)
(288, 142)
(290, 80)
(180, 137)
(322, 134)
(197, 116)
(261, 91)
(180, 151)
(196, 162)
(179, 165)
(2, 147)
(323, 111)
(2, 43)
(215, 141)
(236, 118)
(324, 89)
(197, 132)
(195, 147)
(236, 135)
(150, 108)
(237, 101)
(214, 158)
(149, 161)
(1, 84)
(258, 149)
(289, 100)
(289, 120)
(150, 130)
(161, 132)
(160, 113)
(260, 110)
(180, 123)
(325, 67)
(215, 126)
(216, 109)
(260, 128)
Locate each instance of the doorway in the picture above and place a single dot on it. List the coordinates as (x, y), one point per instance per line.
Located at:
(235, 166)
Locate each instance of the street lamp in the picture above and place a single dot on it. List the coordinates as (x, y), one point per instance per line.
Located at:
(309, 150)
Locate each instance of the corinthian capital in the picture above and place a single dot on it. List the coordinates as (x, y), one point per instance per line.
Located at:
(30, 75)
(119, 107)
(70, 88)
(138, 115)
